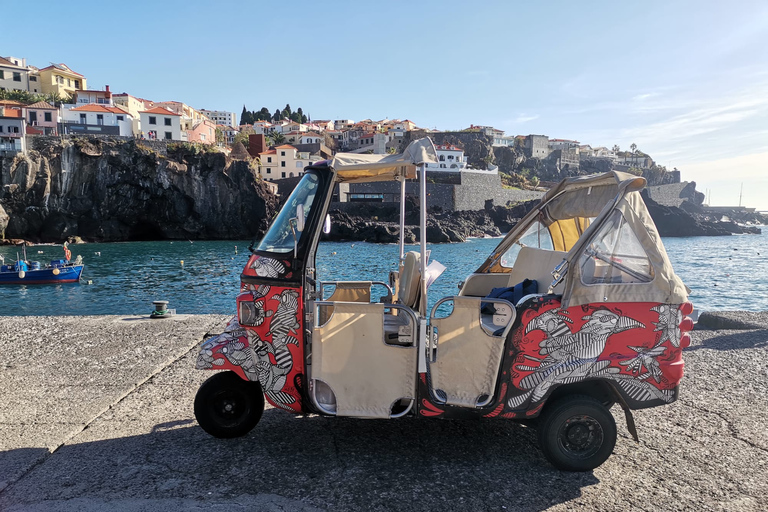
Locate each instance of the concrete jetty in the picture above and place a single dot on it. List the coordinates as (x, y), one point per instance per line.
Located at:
(96, 414)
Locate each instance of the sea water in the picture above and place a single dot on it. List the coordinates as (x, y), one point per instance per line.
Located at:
(724, 273)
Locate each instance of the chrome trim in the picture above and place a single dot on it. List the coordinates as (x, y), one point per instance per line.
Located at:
(321, 284)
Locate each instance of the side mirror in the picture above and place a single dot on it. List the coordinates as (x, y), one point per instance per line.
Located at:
(327, 224)
(300, 218)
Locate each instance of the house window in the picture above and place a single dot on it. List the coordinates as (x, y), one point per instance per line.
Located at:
(282, 153)
(31, 79)
(82, 118)
(77, 83)
(16, 77)
(282, 164)
(69, 82)
(120, 118)
(33, 117)
(269, 159)
(1, 128)
(2, 75)
(152, 120)
(168, 135)
(269, 171)
(202, 137)
(47, 117)
(99, 118)
(167, 121)
(283, 175)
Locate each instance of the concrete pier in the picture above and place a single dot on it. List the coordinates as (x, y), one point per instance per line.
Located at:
(96, 414)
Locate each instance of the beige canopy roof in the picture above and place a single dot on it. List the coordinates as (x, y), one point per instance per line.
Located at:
(573, 211)
(357, 168)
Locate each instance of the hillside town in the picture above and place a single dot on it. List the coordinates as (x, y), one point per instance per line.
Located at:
(56, 101)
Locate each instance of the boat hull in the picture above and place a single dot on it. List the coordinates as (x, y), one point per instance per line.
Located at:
(67, 274)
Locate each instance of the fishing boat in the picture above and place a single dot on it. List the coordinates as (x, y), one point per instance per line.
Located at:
(24, 271)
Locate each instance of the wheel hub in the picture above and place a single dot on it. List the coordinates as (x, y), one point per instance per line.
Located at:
(581, 435)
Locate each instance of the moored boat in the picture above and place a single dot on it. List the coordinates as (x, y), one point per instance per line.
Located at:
(32, 272)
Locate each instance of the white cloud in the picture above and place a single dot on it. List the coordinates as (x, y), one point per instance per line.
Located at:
(524, 118)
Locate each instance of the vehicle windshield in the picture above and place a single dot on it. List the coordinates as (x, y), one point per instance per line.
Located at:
(279, 237)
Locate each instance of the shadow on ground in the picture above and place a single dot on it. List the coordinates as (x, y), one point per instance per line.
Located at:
(341, 464)
(738, 340)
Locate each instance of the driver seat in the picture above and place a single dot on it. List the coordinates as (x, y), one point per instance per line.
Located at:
(409, 280)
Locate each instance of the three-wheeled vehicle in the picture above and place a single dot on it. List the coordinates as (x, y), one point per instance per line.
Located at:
(606, 327)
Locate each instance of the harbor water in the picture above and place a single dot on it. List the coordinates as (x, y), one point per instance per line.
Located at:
(724, 273)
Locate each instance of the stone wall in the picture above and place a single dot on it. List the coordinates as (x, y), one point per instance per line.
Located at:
(476, 189)
(472, 194)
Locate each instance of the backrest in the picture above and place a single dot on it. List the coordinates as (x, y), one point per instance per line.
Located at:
(536, 265)
(410, 276)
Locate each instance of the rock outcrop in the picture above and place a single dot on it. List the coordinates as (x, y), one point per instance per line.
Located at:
(116, 190)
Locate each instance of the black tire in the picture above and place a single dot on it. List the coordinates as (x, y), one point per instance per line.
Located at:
(227, 406)
(577, 433)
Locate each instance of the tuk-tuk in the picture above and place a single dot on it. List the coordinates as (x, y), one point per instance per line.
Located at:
(575, 311)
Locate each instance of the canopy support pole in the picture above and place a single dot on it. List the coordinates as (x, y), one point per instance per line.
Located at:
(423, 237)
(402, 219)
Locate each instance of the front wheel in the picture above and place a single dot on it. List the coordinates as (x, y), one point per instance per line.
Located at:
(227, 406)
(577, 433)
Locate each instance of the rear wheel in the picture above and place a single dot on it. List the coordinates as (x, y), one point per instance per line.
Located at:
(577, 433)
(227, 406)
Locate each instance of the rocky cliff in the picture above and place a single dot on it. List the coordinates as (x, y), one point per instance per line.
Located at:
(115, 190)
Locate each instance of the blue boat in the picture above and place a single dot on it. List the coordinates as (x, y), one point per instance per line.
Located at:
(32, 272)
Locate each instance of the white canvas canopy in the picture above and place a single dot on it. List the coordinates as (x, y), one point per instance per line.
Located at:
(360, 168)
(580, 214)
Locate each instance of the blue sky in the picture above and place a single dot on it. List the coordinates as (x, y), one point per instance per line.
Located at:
(687, 81)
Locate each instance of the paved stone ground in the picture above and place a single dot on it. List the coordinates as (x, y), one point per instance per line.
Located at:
(113, 397)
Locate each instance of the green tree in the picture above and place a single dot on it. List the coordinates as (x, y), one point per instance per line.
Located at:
(242, 136)
(263, 114)
(275, 139)
(219, 136)
(277, 116)
(615, 148)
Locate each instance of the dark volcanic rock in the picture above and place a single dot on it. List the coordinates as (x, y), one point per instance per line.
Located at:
(111, 190)
(672, 221)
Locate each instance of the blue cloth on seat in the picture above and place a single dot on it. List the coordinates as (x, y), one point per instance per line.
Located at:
(511, 293)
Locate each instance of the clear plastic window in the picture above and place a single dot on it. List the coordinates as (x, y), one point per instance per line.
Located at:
(279, 237)
(537, 235)
(615, 255)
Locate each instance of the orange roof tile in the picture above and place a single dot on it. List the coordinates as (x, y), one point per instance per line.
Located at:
(95, 107)
(161, 111)
(285, 146)
(42, 105)
(268, 152)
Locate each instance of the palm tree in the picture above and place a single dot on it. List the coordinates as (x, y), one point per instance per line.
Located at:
(276, 139)
(633, 147)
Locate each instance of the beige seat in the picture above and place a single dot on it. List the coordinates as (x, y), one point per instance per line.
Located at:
(536, 265)
(409, 280)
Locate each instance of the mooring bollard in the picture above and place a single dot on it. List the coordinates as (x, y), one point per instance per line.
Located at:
(161, 309)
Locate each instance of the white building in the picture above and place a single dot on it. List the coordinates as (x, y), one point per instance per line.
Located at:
(94, 118)
(451, 159)
(161, 123)
(343, 124)
(16, 76)
(284, 162)
(221, 117)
